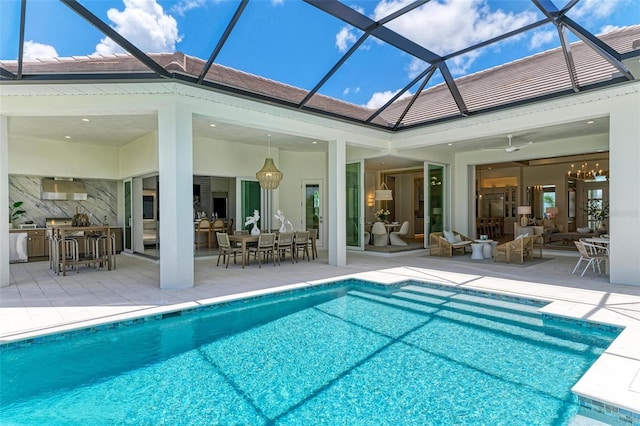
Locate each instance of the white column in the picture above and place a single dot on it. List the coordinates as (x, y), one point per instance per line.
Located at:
(624, 198)
(336, 181)
(4, 201)
(175, 164)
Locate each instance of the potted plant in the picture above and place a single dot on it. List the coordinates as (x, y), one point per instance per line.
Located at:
(15, 212)
(598, 211)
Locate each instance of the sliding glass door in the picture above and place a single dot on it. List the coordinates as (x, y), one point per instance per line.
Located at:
(128, 216)
(250, 199)
(354, 204)
(435, 199)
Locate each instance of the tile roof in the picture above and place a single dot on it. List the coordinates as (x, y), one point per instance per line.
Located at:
(534, 77)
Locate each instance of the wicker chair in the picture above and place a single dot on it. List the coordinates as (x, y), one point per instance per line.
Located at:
(593, 254)
(265, 248)
(439, 246)
(521, 248)
(225, 249)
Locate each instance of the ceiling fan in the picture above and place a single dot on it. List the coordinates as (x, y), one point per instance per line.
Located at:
(510, 147)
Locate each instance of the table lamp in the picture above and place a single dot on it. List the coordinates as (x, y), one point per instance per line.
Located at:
(524, 211)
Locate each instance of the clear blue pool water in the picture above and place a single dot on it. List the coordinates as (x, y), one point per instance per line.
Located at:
(338, 355)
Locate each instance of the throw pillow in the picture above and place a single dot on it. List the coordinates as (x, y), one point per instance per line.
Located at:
(458, 238)
(584, 230)
(450, 236)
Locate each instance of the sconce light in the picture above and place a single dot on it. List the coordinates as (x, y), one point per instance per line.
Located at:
(524, 211)
(371, 200)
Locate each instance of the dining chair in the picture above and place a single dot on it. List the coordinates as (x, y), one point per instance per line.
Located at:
(203, 228)
(395, 238)
(301, 244)
(284, 244)
(592, 254)
(225, 249)
(313, 243)
(217, 226)
(380, 236)
(264, 248)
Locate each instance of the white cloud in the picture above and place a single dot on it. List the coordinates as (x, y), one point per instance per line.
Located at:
(608, 29)
(349, 90)
(594, 8)
(380, 98)
(450, 25)
(33, 50)
(143, 23)
(184, 6)
(343, 38)
(277, 2)
(540, 38)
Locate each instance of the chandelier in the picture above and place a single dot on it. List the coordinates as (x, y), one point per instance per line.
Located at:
(269, 176)
(584, 172)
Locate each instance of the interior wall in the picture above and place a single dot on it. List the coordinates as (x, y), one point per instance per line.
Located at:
(297, 166)
(139, 157)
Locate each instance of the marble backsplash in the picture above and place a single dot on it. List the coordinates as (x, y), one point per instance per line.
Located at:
(101, 201)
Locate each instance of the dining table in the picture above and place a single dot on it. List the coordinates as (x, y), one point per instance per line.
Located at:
(243, 239)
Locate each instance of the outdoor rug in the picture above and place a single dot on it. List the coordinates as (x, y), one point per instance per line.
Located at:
(488, 262)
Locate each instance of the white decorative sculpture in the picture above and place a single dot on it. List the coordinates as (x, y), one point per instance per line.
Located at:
(253, 220)
(283, 222)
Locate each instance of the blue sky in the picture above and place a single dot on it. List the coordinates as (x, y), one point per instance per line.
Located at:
(295, 43)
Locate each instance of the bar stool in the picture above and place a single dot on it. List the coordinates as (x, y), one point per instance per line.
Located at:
(71, 253)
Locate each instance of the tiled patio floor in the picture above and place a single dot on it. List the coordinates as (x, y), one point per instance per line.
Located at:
(39, 302)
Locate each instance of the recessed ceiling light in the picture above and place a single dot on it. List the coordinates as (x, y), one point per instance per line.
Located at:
(86, 120)
(449, 144)
(590, 122)
(314, 142)
(212, 125)
(67, 137)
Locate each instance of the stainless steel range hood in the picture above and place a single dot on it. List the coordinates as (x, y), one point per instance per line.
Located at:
(63, 189)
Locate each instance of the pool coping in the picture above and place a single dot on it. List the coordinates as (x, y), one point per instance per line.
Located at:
(610, 387)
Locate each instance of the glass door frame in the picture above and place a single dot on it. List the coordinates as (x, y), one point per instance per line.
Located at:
(127, 219)
(361, 199)
(239, 220)
(319, 184)
(445, 199)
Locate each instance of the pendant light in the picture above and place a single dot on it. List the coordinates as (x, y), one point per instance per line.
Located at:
(269, 176)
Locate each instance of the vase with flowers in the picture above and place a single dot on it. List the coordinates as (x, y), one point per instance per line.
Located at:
(382, 215)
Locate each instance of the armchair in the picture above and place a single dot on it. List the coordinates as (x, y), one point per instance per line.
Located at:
(520, 248)
(439, 245)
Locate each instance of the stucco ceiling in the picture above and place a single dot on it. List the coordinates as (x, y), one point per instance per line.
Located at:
(118, 130)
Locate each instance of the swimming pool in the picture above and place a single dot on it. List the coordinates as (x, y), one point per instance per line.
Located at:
(346, 353)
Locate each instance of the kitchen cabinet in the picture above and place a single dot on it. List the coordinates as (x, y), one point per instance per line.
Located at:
(37, 245)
